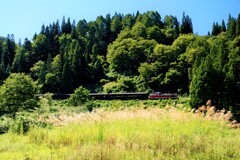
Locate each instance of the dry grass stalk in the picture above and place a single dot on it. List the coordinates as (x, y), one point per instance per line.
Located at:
(211, 112)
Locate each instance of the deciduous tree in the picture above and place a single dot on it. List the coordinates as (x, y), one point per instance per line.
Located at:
(18, 93)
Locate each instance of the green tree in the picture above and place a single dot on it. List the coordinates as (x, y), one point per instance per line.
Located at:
(128, 21)
(56, 30)
(124, 34)
(223, 27)
(186, 26)
(148, 71)
(67, 78)
(3, 73)
(182, 42)
(19, 60)
(216, 29)
(8, 49)
(27, 49)
(18, 93)
(51, 83)
(139, 30)
(196, 50)
(5, 57)
(65, 40)
(66, 27)
(232, 78)
(202, 84)
(231, 30)
(125, 56)
(156, 34)
(151, 74)
(219, 50)
(171, 29)
(172, 80)
(91, 36)
(100, 36)
(103, 28)
(123, 84)
(82, 28)
(238, 26)
(1, 48)
(42, 29)
(53, 80)
(78, 62)
(11, 48)
(140, 84)
(40, 48)
(116, 26)
(37, 71)
(165, 54)
(74, 31)
(150, 19)
(155, 18)
(96, 69)
(79, 97)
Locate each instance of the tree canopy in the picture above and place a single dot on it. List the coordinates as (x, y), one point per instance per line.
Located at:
(18, 93)
(130, 53)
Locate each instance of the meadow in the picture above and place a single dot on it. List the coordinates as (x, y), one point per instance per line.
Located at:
(124, 130)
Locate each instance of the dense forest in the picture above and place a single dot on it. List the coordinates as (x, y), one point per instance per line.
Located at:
(140, 52)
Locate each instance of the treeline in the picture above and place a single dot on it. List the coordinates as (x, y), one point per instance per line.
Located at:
(129, 53)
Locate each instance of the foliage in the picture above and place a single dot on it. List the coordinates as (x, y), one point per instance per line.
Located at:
(150, 133)
(123, 84)
(213, 76)
(132, 52)
(202, 84)
(18, 93)
(186, 26)
(20, 124)
(46, 103)
(79, 97)
(125, 57)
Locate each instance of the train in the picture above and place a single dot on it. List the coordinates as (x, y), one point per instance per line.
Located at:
(159, 95)
(122, 96)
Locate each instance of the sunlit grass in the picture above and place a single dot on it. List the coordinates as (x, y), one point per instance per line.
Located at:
(138, 133)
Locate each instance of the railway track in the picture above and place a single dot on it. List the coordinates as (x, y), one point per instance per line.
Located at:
(122, 96)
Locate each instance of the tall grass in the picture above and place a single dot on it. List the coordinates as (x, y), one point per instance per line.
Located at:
(127, 134)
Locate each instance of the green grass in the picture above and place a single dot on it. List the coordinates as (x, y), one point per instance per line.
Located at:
(135, 133)
(58, 107)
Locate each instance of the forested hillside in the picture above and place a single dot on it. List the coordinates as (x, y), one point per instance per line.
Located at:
(131, 53)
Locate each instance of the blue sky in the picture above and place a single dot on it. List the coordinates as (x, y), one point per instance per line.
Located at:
(25, 17)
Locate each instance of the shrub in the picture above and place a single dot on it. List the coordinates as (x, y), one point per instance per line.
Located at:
(20, 124)
(46, 103)
(123, 84)
(5, 122)
(79, 97)
(18, 93)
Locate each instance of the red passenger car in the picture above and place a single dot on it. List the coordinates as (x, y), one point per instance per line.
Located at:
(159, 95)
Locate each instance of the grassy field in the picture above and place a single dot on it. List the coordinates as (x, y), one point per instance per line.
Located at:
(138, 132)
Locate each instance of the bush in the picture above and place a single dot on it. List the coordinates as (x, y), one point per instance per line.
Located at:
(46, 103)
(18, 93)
(20, 124)
(123, 84)
(79, 97)
(5, 122)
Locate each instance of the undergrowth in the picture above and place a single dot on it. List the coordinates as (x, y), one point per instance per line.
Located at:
(139, 133)
(133, 129)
